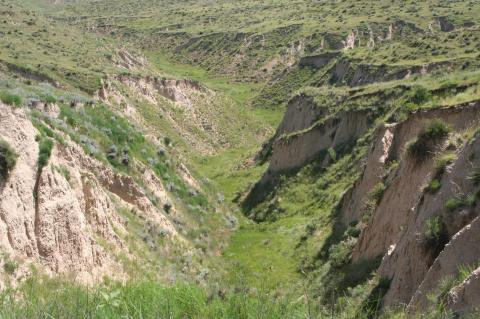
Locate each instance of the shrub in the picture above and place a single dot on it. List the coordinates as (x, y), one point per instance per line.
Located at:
(352, 232)
(455, 203)
(10, 266)
(475, 176)
(420, 95)
(8, 158)
(50, 99)
(433, 186)
(435, 130)
(442, 161)
(377, 192)
(45, 150)
(340, 253)
(167, 140)
(433, 229)
(11, 99)
(332, 154)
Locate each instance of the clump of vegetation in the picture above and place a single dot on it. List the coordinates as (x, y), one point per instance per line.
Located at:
(10, 99)
(455, 203)
(10, 266)
(433, 229)
(377, 192)
(420, 95)
(44, 151)
(434, 131)
(440, 164)
(374, 198)
(340, 253)
(50, 99)
(439, 297)
(475, 176)
(8, 158)
(54, 298)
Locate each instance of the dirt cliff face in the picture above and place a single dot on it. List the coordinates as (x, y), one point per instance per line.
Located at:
(292, 151)
(189, 108)
(396, 230)
(61, 215)
(398, 225)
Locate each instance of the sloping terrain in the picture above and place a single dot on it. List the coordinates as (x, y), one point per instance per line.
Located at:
(253, 159)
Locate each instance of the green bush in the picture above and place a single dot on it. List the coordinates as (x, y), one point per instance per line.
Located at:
(50, 99)
(377, 192)
(433, 186)
(455, 203)
(10, 266)
(434, 131)
(352, 232)
(45, 150)
(440, 163)
(475, 176)
(420, 95)
(433, 229)
(8, 158)
(340, 253)
(11, 99)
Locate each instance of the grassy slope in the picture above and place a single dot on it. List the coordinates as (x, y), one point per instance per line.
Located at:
(266, 253)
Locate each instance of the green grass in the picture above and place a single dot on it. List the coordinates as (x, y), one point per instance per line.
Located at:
(230, 48)
(266, 252)
(433, 229)
(240, 92)
(54, 298)
(8, 158)
(44, 151)
(422, 146)
(10, 99)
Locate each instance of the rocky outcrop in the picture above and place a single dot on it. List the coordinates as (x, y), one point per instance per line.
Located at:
(49, 109)
(405, 189)
(291, 151)
(17, 205)
(302, 112)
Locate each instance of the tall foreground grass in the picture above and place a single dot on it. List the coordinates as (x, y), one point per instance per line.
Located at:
(52, 298)
(47, 298)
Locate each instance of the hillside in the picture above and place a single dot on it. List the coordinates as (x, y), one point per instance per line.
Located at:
(253, 159)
